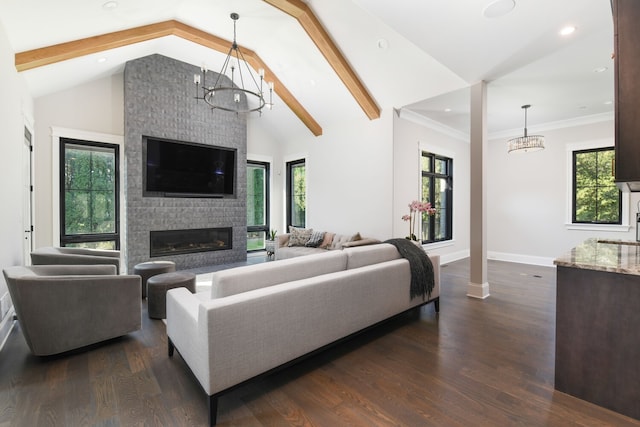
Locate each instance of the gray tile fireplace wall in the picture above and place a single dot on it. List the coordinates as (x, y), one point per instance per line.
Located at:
(159, 101)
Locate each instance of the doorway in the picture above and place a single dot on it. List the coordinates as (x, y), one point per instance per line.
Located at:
(27, 195)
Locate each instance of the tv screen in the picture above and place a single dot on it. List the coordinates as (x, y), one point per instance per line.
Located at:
(184, 169)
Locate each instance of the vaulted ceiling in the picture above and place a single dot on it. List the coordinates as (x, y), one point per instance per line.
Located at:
(335, 61)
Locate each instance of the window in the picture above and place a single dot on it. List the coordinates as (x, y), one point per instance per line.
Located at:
(437, 188)
(89, 202)
(257, 204)
(296, 193)
(596, 198)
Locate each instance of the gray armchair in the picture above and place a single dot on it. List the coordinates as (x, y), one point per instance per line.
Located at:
(74, 256)
(64, 307)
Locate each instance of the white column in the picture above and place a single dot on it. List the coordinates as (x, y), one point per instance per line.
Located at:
(478, 286)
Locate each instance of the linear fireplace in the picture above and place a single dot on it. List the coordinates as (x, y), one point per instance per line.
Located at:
(175, 242)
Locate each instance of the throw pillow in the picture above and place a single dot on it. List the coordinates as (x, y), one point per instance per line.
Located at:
(315, 239)
(356, 237)
(299, 236)
(326, 241)
(338, 240)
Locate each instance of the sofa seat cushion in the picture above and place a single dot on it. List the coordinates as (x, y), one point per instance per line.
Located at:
(243, 279)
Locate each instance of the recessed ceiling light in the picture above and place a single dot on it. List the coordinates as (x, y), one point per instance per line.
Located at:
(570, 29)
(102, 60)
(110, 5)
(498, 8)
(382, 44)
(600, 70)
(447, 110)
(608, 102)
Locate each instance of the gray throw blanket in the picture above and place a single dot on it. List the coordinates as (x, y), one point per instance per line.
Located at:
(422, 278)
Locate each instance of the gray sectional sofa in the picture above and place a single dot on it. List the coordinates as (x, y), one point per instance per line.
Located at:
(332, 241)
(260, 317)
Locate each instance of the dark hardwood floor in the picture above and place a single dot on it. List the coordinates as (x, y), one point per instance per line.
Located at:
(477, 363)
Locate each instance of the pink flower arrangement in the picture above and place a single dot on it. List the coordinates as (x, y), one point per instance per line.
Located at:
(415, 207)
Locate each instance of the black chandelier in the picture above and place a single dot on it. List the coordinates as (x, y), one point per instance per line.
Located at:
(226, 97)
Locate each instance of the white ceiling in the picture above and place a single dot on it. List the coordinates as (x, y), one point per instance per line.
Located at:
(417, 54)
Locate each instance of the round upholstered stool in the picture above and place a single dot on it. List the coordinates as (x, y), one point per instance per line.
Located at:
(152, 268)
(157, 287)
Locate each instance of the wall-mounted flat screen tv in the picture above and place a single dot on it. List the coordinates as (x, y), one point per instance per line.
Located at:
(185, 169)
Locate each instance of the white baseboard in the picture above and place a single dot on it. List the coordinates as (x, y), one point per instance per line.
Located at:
(480, 291)
(498, 256)
(454, 256)
(5, 327)
(522, 259)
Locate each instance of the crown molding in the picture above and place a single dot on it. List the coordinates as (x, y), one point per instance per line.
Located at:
(419, 119)
(560, 124)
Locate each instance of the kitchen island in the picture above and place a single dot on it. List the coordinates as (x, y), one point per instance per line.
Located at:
(598, 324)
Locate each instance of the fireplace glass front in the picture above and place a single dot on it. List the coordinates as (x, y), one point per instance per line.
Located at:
(175, 242)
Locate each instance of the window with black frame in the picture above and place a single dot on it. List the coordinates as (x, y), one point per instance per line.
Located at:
(89, 194)
(257, 205)
(296, 193)
(437, 188)
(596, 198)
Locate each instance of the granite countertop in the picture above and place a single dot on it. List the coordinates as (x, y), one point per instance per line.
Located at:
(616, 256)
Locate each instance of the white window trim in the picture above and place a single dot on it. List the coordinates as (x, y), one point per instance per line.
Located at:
(56, 134)
(589, 145)
(438, 245)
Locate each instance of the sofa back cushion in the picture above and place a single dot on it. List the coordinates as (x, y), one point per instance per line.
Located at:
(243, 279)
(361, 256)
(340, 239)
(74, 256)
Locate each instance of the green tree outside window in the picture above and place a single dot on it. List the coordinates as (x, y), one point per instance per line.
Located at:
(257, 204)
(90, 195)
(296, 193)
(596, 197)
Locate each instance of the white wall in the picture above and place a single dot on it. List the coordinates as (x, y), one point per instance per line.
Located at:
(98, 107)
(15, 105)
(264, 148)
(409, 139)
(349, 176)
(527, 194)
(357, 174)
(528, 198)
